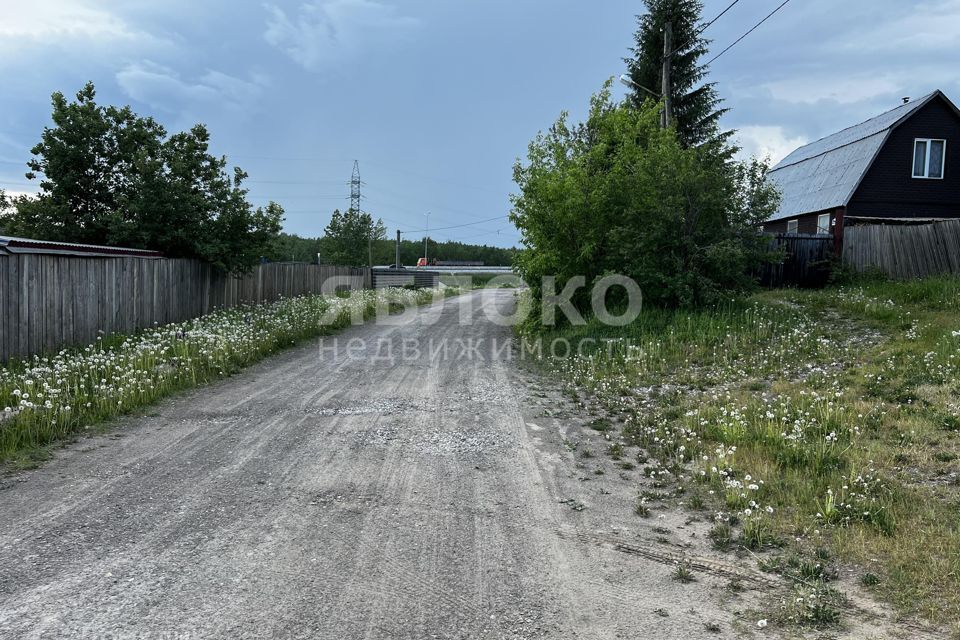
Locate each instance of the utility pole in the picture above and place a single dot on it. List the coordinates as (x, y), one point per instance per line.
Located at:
(397, 263)
(426, 237)
(665, 88)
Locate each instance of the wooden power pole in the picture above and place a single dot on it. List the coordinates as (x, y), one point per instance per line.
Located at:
(665, 86)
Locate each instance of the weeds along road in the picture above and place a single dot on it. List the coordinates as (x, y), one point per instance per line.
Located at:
(334, 495)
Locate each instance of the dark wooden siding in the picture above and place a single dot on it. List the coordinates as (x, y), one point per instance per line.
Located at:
(889, 190)
(807, 223)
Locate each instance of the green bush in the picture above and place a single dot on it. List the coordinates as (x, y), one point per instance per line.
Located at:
(618, 194)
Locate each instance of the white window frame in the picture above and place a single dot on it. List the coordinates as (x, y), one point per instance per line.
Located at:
(823, 229)
(793, 226)
(926, 166)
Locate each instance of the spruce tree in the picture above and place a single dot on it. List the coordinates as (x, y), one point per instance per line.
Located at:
(695, 105)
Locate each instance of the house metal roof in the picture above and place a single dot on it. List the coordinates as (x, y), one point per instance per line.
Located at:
(825, 174)
(11, 244)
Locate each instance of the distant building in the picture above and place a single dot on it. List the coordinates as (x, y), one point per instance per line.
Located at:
(901, 167)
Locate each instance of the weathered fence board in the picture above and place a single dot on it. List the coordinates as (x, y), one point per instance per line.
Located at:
(50, 301)
(806, 261)
(904, 251)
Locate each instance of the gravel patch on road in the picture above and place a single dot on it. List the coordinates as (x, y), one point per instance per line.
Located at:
(341, 497)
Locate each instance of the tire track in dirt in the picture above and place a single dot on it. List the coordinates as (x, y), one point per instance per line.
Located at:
(751, 579)
(322, 494)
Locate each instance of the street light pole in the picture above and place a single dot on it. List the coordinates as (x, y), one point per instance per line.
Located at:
(666, 116)
(426, 236)
(628, 81)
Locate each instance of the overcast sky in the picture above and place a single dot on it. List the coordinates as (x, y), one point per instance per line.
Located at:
(436, 98)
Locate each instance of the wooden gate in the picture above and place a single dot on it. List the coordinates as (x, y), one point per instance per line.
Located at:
(806, 262)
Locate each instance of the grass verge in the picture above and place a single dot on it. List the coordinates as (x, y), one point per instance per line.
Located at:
(814, 423)
(47, 399)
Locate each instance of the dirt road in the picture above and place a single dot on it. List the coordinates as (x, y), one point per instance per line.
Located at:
(341, 494)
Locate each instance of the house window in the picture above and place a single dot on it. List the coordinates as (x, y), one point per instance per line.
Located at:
(823, 224)
(792, 226)
(928, 158)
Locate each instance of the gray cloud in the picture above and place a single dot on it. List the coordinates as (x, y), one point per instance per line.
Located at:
(820, 66)
(324, 34)
(82, 27)
(163, 89)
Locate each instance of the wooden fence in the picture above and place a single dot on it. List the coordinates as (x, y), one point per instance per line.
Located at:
(904, 251)
(806, 261)
(404, 278)
(49, 301)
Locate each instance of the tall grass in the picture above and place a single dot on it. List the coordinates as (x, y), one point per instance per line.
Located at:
(813, 418)
(728, 343)
(48, 398)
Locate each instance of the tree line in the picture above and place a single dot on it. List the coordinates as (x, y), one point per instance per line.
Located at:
(294, 248)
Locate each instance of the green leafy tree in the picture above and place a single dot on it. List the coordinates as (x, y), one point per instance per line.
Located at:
(619, 194)
(108, 176)
(695, 103)
(349, 238)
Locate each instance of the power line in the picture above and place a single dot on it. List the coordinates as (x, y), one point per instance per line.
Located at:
(257, 196)
(337, 182)
(720, 15)
(703, 28)
(390, 168)
(291, 158)
(430, 205)
(457, 226)
(752, 29)
(383, 205)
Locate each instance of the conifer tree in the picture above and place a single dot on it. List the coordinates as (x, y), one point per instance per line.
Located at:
(695, 105)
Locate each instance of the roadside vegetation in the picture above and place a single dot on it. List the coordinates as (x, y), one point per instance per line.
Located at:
(819, 427)
(51, 398)
(620, 194)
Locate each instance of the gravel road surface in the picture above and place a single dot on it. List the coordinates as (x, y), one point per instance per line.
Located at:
(339, 493)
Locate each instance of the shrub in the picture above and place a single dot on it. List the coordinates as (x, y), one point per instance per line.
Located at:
(618, 194)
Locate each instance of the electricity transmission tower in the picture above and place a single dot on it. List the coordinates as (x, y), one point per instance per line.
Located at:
(355, 197)
(355, 187)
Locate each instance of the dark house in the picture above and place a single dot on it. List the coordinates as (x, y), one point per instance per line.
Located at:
(901, 167)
